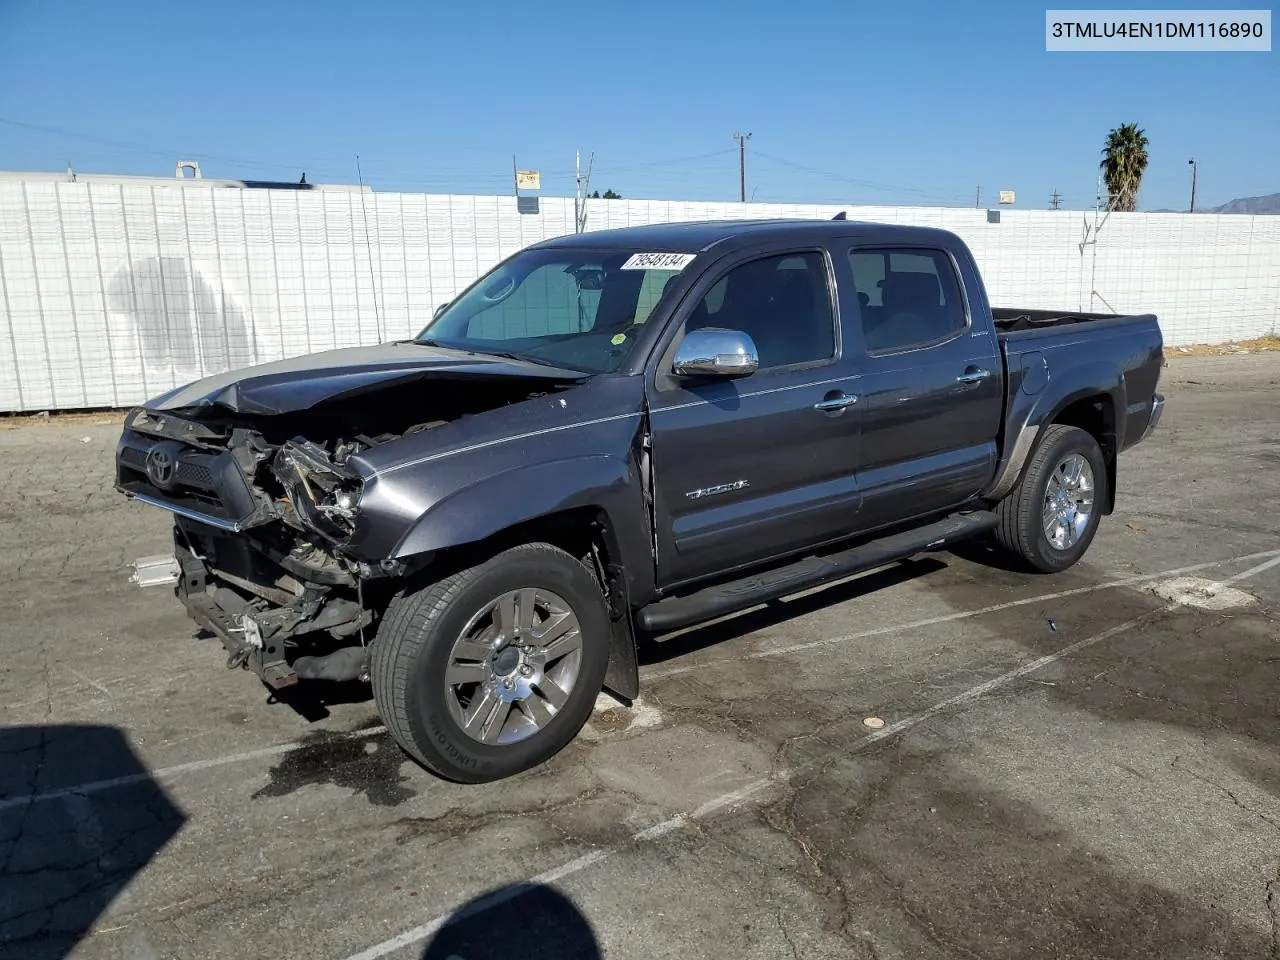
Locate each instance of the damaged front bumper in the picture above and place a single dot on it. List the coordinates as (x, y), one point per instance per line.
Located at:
(282, 628)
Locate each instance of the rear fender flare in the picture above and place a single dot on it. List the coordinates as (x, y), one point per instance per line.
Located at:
(1030, 415)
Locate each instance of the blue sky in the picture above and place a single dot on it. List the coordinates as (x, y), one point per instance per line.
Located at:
(846, 101)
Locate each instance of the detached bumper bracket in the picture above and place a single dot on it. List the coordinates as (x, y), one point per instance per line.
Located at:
(267, 661)
(1157, 408)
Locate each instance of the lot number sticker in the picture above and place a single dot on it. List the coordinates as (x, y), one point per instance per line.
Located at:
(658, 261)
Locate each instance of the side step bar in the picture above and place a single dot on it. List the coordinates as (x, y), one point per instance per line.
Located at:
(674, 613)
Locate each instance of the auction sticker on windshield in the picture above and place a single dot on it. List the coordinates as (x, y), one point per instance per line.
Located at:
(658, 261)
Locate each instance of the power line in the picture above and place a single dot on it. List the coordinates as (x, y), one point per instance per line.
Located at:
(128, 145)
(664, 163)
(334, 170)
(948, 198)
(454, 179)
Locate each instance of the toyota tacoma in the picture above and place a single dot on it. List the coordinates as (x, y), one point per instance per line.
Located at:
(617, 434)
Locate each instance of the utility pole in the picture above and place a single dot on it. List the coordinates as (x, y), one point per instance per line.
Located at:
(579, 201)
(1055, 201)
(742, 139)
(1195, 168)
(580, 185)
(977, 200)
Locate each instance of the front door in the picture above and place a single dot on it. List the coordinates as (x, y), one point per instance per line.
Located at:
(750, 468)
(932, 388)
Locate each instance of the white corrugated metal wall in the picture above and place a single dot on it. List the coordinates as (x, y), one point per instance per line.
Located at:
(112, 293)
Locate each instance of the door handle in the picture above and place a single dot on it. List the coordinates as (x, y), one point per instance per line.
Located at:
(973, 375)
(838, 402)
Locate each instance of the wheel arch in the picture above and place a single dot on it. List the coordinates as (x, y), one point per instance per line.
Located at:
(1097, 414)
(1091, 397)
(599, 525)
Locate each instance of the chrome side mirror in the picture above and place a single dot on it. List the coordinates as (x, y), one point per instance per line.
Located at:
(715, 352)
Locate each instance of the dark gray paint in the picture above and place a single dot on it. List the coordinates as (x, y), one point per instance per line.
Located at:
(300, 383)
(917, 441)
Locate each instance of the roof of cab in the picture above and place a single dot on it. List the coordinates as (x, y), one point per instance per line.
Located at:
(699, 236)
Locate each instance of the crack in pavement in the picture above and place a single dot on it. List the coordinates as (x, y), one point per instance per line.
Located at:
(782, 928)
(456, 822)
(42, 746)
(96, 869)
(925, 925)
(1273, 908)
(780, 816)
(1174, 765)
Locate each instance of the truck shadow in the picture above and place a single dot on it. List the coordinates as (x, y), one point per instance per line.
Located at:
(66, 852)
(985, 552)
(311, 699)
(524, 921)
(659, 650)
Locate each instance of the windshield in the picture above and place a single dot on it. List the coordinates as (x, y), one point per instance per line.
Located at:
(574, 308)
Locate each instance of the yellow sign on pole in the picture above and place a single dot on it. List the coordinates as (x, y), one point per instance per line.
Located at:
(528, 180)
(1006, 196)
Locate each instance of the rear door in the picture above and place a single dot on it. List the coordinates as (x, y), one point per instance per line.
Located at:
(750, 468)
(932, 384)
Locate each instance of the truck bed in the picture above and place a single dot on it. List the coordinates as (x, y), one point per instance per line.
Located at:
(1016, 320)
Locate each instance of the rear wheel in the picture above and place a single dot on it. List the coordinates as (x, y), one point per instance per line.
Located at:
(1049, 519)
(493, 669)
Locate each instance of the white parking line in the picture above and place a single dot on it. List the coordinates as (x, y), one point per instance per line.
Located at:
(195, 766)
(165, 773)
(505, 894)
(1251, 572)
(750, 790)
(980, 612)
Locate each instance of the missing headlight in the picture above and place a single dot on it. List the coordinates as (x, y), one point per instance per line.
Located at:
(324, 496)
(341, 502)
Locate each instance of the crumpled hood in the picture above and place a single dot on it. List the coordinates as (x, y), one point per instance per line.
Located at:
(299, 383)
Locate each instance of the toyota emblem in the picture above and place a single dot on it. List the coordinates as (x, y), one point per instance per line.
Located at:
(162, 464)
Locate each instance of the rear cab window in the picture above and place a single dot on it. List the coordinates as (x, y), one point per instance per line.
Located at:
(907, 298)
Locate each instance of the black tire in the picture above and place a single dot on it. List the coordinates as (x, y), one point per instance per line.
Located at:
(1021, 529)
(412, 649)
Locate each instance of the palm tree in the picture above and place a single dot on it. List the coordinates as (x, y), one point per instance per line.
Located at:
(1124, 161)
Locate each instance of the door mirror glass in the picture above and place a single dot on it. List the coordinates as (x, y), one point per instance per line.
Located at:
(715, 352)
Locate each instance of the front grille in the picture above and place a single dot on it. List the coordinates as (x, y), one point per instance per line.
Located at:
(193, 475)
(189, 473)
(208, 483)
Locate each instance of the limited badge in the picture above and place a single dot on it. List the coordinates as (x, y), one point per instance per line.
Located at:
(618, 338)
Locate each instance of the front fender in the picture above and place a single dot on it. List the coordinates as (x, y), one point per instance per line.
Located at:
(610, 483)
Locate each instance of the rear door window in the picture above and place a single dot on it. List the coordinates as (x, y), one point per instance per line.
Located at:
(908, 299)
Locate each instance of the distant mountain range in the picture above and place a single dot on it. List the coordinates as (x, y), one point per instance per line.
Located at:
(1268, 204)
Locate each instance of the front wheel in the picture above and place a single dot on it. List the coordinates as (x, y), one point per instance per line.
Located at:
(493, 669)
(1049, 519)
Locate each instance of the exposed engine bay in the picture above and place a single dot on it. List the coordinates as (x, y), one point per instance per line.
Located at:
(264, 504)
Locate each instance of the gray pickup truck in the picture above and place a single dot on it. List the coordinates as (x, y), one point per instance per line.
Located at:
(617, 434)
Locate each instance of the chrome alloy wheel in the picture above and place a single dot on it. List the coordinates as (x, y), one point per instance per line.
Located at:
(513, 666)
(1068, 502)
